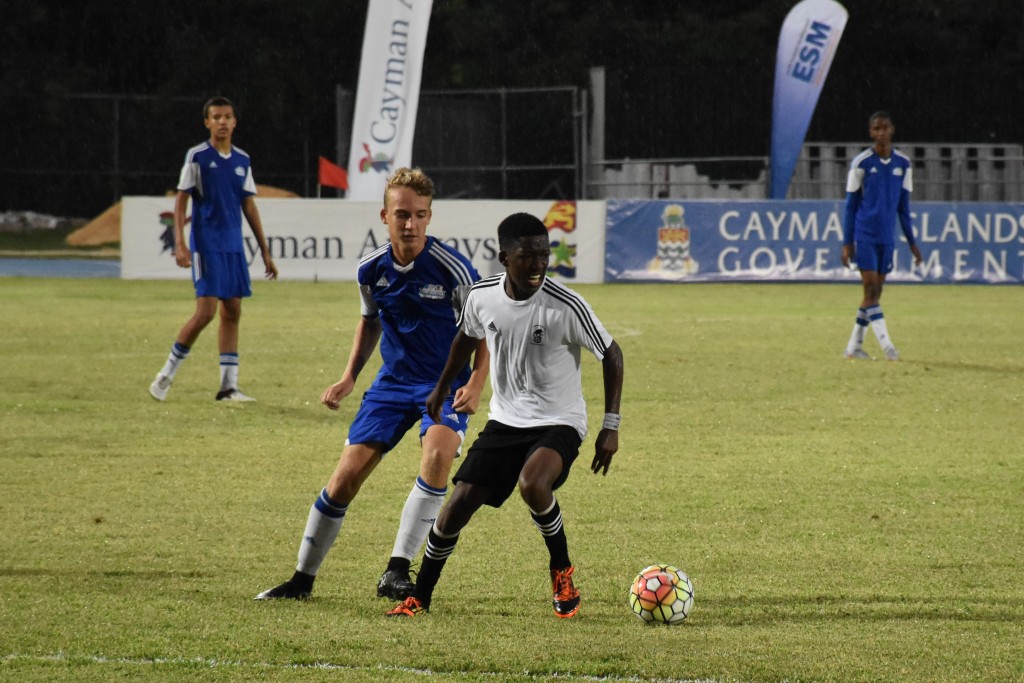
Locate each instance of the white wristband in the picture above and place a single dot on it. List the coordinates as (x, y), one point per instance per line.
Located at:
(611, 421)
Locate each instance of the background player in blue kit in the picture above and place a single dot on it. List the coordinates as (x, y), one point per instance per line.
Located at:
(877, 193)
(535, 329)
(217, 177)
(412, 289)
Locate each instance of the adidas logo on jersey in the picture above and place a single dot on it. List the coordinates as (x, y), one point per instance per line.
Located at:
(382, 282)
(213, 164)
(239, 171)
(492, 328)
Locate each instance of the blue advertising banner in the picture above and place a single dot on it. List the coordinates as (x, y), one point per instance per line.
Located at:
(801, 241)
(807, 43)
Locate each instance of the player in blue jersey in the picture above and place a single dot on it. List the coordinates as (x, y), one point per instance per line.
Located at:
(411, 290)
(877, 194)
(217, 178)
(536, 329)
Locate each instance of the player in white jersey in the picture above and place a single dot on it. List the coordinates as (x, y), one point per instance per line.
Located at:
(535, 329)
(411, 290)
(217, 178)
(877, 193)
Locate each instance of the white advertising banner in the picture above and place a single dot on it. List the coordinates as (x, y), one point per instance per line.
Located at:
(324, 239)
(388, 93)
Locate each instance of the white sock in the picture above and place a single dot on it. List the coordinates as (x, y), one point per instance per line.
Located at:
(228, 371)
(859, 328)
(418, 515)
(322, 527)
(179, 352)
(879, 327)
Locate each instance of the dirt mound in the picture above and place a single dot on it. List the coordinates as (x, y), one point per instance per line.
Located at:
(106, 228)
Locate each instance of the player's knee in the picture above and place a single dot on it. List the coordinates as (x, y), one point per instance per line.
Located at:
(536, 494)
(435, 466)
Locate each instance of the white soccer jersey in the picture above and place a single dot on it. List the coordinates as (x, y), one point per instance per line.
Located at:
(535, 351)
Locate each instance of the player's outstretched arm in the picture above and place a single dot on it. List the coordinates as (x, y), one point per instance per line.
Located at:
(467, 397)
(607, 442)
(853, 200)
(847, 255)
(252, 215)
(182, 255)
(462, 347)
(368, 332)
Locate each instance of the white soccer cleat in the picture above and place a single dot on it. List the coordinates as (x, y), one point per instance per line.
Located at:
(892, 354)
(233, 395)
(857, 354)
(160, 386)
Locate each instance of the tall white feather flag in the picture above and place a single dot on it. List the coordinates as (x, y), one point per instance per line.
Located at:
(807, 43)
(388, 94)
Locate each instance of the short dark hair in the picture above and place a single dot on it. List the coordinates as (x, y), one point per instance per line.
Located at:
(519, 225)
(880, 114)
(218, 102)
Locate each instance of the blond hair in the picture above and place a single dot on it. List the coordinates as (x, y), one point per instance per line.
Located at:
(413, 178)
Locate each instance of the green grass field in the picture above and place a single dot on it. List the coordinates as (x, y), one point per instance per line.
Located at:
(841, 520)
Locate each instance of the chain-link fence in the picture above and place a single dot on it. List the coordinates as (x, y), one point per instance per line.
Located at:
(75, 155)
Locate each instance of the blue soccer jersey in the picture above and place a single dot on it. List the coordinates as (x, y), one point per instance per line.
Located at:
(418, 305)
(877, 192)
(218, 185)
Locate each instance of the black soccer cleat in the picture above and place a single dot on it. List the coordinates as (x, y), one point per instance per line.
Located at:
(289, 590)
(395, 584)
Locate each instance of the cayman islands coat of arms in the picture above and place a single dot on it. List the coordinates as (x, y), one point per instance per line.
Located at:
(673, 255)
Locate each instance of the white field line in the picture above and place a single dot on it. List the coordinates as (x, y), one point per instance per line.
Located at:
(64, 657)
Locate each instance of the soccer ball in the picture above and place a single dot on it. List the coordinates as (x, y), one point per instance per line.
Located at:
(661, 594)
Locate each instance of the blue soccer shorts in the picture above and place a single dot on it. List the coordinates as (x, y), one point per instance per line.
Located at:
(221, 274)
(874, 257)
(386, 414)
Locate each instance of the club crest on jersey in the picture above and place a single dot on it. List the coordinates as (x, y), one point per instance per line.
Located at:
(537, 336)
(432, 292)
(239, 171)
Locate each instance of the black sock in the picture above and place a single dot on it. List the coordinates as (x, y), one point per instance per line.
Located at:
(434, 557)
(400, 564)
(550, 525)
(302, 580)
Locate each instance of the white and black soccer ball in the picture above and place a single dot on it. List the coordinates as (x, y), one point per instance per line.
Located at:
(661, 594)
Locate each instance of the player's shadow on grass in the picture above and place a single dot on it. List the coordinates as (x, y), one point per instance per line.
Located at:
(960, 365)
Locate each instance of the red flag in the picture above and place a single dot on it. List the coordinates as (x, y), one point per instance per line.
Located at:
(332, 175)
